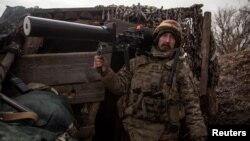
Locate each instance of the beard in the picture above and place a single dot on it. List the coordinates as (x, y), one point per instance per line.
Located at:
(165, 47)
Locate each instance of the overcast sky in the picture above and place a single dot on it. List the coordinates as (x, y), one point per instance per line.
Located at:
(209, 5)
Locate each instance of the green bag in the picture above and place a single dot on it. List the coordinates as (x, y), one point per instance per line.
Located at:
(55, 116)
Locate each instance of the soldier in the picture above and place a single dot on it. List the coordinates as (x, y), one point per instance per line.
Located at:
(150, 107)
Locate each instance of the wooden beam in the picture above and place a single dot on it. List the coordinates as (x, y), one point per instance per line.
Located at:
(56, 69)
(71, 74)
(212, 102)
(205, 45)
(210, 93)
(83, 92)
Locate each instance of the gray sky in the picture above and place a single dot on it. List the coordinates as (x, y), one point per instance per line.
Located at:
(209, 5)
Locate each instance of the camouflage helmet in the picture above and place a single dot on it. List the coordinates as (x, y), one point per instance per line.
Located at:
(171, 26)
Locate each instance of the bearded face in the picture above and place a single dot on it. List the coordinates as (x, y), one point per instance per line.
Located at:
(166, 42)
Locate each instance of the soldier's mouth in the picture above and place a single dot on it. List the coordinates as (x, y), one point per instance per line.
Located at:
(165, 47)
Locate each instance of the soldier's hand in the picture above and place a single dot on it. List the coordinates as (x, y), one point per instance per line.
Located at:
(100, 63)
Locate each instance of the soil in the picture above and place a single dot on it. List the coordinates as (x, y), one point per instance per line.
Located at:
(233, 89)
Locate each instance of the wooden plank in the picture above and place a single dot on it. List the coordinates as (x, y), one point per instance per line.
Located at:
(32, 44)
(205, 45)
(212, 102)
(83, 92)
(56, 69)
(71, 74)
(90, 110)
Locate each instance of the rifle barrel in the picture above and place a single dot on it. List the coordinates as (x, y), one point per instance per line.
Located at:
(43, 27)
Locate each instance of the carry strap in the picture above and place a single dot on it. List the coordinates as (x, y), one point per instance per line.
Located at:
(14, 116)
(174, 65)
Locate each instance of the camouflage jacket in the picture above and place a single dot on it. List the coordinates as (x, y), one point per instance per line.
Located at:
(147, 71)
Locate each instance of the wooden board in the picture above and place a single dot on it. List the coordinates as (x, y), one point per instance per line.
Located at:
(71, 74)
(56, 69)
(81, 93)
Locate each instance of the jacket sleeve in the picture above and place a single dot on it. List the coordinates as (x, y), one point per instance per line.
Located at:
(191, 102)
(118, 83)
